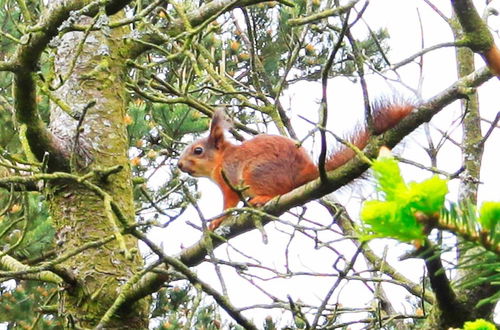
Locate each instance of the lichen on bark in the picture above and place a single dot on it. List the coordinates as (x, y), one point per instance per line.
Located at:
(80, 215)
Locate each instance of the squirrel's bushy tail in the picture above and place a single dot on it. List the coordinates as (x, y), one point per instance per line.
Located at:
(385, 116)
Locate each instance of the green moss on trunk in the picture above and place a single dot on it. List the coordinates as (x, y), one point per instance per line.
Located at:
(79, 213)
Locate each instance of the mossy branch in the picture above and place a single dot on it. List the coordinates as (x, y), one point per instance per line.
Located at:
(8, 66)
(476, 34)
(17, 269)
(20, 270)
(125, 292)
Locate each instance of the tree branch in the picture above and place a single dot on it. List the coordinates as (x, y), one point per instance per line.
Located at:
(21, 270)
(337, 11)
(236, 225)
(8, 66)
(477, 35)
(347, 227)
(452, 312)
(16, 267)
(203, 15)
(194, 279)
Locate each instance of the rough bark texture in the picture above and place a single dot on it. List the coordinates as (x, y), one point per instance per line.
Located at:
(472, 150)
(79, 214)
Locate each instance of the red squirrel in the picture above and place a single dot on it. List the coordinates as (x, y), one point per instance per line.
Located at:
(270, 165)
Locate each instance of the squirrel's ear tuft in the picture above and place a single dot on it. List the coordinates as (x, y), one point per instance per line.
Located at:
(217, 126)
(220, 118)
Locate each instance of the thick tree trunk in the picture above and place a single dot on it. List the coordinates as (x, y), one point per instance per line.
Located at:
(80, 214)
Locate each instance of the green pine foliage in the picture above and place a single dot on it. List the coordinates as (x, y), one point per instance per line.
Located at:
(485, 266)
(479, 324)
(478, 226)
(157, 125)
(18, 305)
(394, 216)
(138, 127)
(181, 308)
(177, 120)
(408, 211)
(374, 46)
(9, 22)
(27, 227)
(39, 238)
(490, 218)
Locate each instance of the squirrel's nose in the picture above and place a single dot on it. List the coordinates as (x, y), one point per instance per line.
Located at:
(180, 165)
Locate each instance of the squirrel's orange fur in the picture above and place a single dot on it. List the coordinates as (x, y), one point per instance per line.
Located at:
(269, 165)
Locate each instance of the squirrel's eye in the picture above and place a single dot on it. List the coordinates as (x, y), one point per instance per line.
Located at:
(198, 150)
